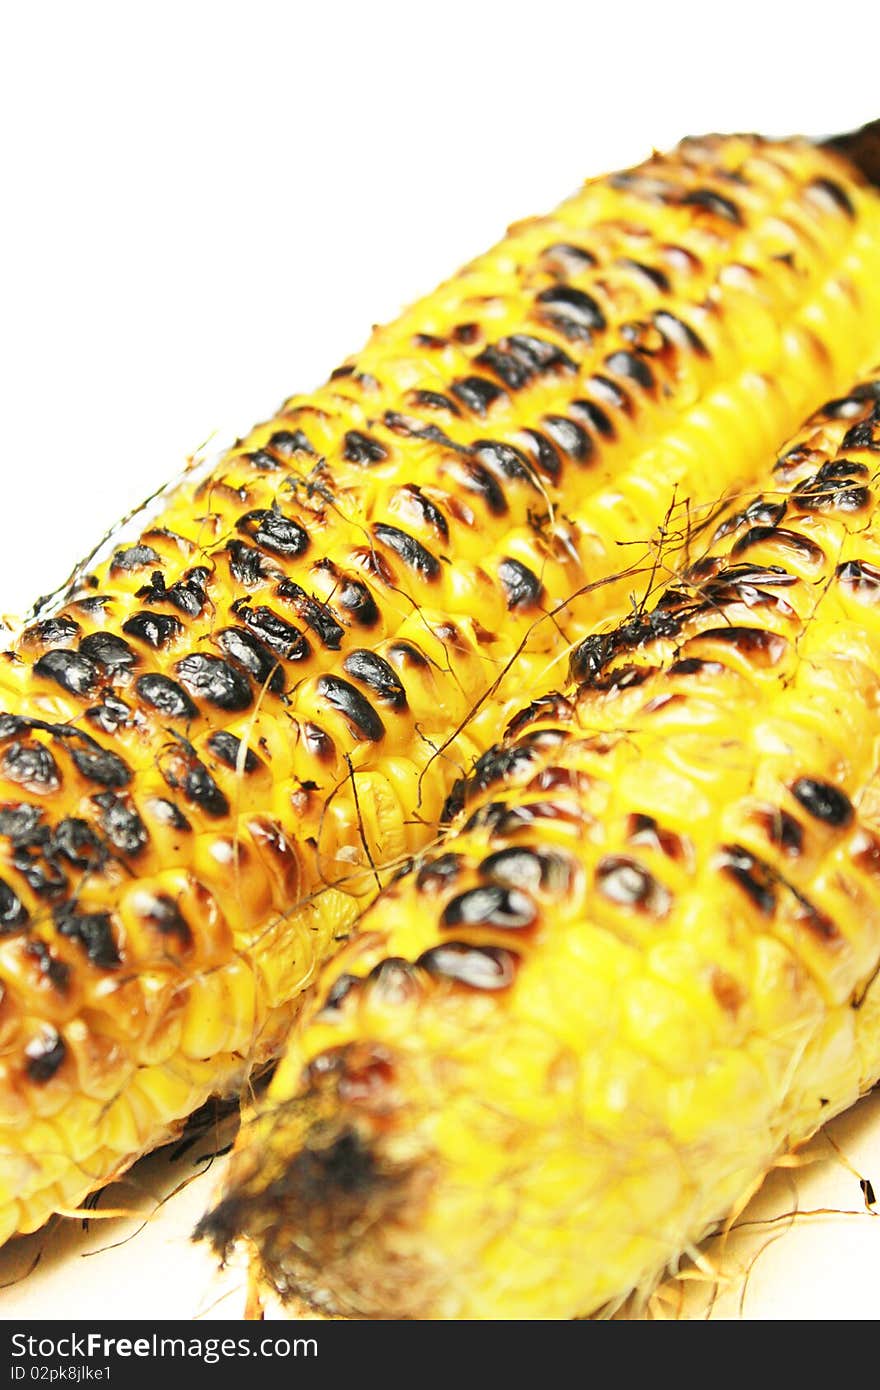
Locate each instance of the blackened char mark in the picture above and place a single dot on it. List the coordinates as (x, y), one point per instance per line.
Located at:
(134, 557)
(707, 200)
(373, 671)
(477, 393)
(759, 513)
(861, 578)
(543, 453)
(411, 551)
(363, 449)
(757, 645)
(109, 651)
(121, 823)
(251, 656)
(678, 333)
(99, 765)
(522, 866)
(568, 436)
(487, 968)
(522, 587)
(656, 277)
(183, 771)
(314, 614)
(227, 747)
(93, 931)
(350, 702)
(778, 535)
(13, 913)
(51, 632)
(212, 679)
(274, 532)
(632, 367)
(627, 883)
(832, 192)
(45, 1056)
(156, 629)
(273, 632)
(166, 696)
(67, 668)
(189, 595)
(832, 489)
(439, 874)
(574, 312)
(590, 658)
(479, 480)
(824, 802)
(593, 416)
(752, 875)
(290, 442)
(493, 905)
(75, 840)
(428, 511)
(565, 260)
(31, 766)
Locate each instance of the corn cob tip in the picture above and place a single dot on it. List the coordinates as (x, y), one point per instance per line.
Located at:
(862, 148)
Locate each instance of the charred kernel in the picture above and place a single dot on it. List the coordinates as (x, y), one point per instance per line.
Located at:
(183, 771)
(156, 629)
(433, 400)
(247, 565)
(504, 459)
(110, 713)
(575, 312)
(512, 370)
(588, 413)
(694, 665)
(565, 259)
(350, 702)
(568, 436)
(93, 931)
(227, 747)
(45, 1056)
(252, 657)
(626, 882)
(108, 650)
(166, 696)
(290, 442)
(861, 436)
(162, 913)
(409, 655)
(438, 874)
(552, 706)
(259, 458)
(679, 333)
(51, 632)
(754, 643)
(13, 913)
(44, 876)
(53, 970)
(393, 981)
(363, 449)
(752, 875)
(188, 595)
(710, 201)
(477, 393)
(121, 823)
(166, 813)
(783, 830)
(538, 353)
(374, 672)
(499, 762)
(357, 600)
(280, 636)
(68, 669)
(32, 766)
(543, 453)
(76, 841)
(479, 480)
(466, 333)
(318, 742)
(411, 551)
(19, 821)
(99, 765)
(658, 278)
(428, 510)
(478, 967)
(644, 830)
(212, 679)
(823, 801)
(860, 577)
(134, 557)
(522, 588)
(832, 192)
(610, 393)
(275, 532)
(533, 869)
(631, 366)
(342, 988)
(314, 614)
(492, 906)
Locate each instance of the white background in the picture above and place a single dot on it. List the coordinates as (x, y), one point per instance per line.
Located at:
(205, 206)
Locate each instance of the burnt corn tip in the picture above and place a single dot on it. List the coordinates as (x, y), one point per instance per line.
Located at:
(861, 147)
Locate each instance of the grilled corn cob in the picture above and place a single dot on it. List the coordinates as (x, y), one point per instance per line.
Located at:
(645, 965)
(211, 749)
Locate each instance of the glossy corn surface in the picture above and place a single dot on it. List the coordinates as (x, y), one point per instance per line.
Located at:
(215, 751)
(643, 966)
